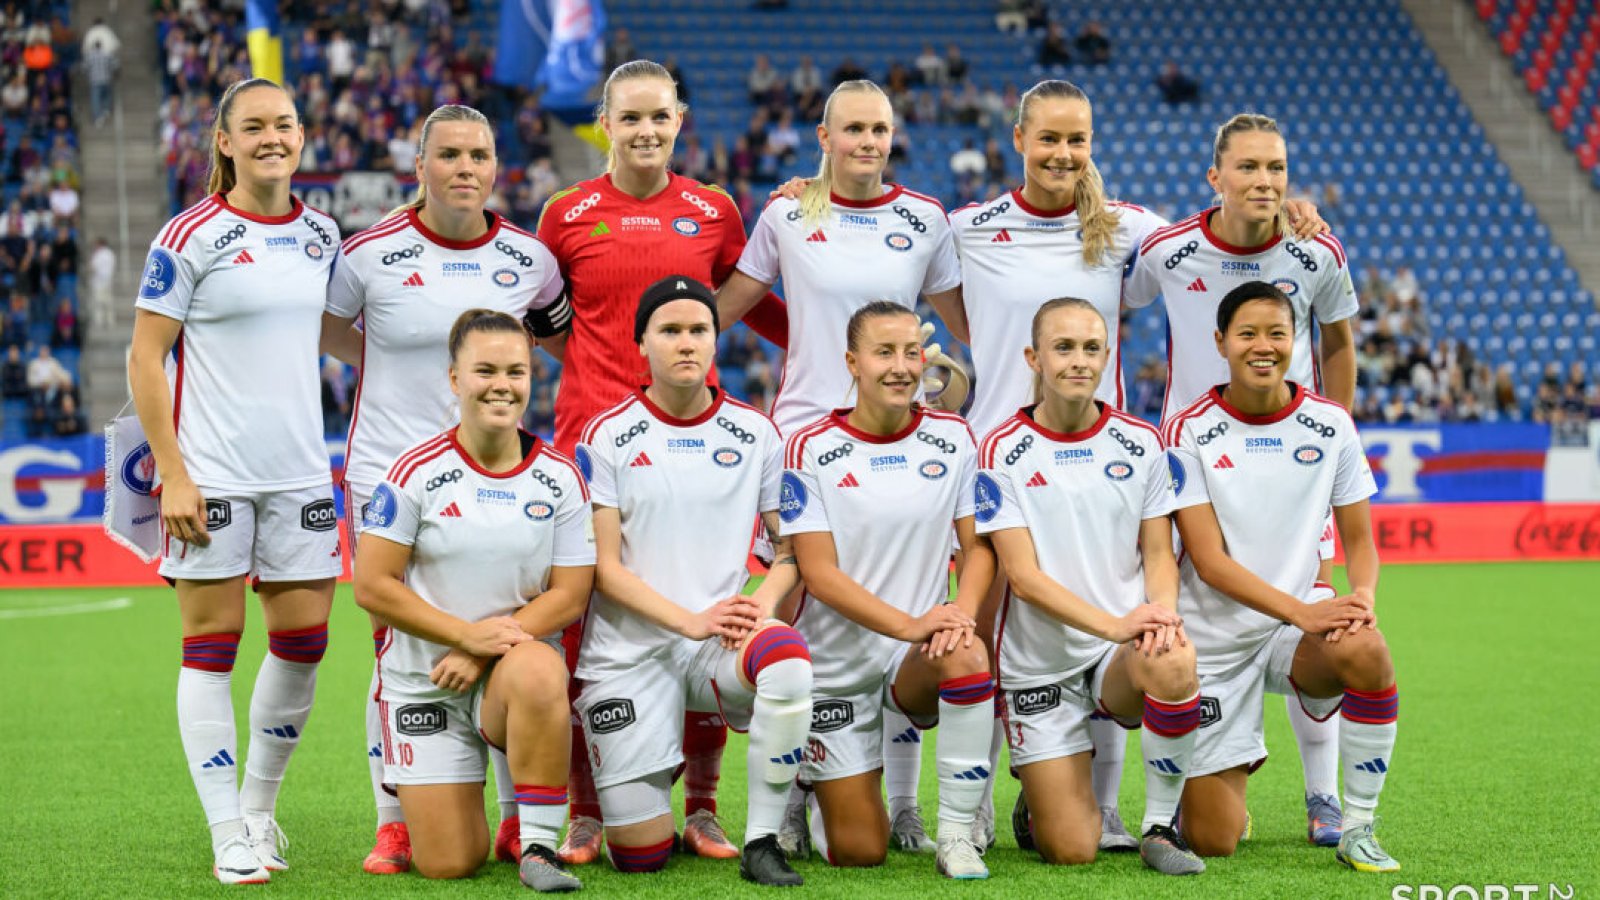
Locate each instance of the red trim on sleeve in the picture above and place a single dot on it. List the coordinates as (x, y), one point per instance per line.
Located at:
(393, 224)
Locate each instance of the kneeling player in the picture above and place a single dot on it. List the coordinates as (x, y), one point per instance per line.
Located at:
(678, 472)
(477, 550)
(868, 495)
(1076, 498)
(1255, 464)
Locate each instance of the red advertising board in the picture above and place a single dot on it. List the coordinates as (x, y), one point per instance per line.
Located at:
(46, 556)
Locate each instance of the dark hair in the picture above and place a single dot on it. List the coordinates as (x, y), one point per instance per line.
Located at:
(874, 310)
(484, 320)
(1245, 293)
(222, 177)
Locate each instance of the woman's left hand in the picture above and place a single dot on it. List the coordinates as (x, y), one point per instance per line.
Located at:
(458, 671)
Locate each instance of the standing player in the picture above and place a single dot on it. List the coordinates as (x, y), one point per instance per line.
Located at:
(233, 288)
(407, 278)
(478, 550)
(1090, 622)
(869, 494)
(1056, 235)
(1192, 264)
(677, 471)
(1256, 463)
(847, 240)
(614, 236)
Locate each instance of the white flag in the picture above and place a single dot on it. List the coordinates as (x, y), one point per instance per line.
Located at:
(133, 515)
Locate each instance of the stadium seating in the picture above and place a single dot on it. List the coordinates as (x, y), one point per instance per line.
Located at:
(1552, 45)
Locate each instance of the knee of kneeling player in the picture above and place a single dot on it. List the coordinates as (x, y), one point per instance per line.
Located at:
(1213, 838)
(1363, 661)
(858, 855)
(1171, 676)
(964, 661)
(457, 863)
(778, 662)
(537, 677)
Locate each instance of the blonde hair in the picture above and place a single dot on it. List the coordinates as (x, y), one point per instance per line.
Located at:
(817, 199)
(1239, 124)
(1095, 218)
(450, 112)
(223, 177)
(1045, 309)
(629, 71)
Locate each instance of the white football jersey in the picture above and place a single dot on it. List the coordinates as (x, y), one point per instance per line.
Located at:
(889, 503)
(1270, 480)
(1083, 497)
(1192, 269)
(1015, 257)
(893, 248)
(687, 491)
(408, 285)
(482, 543)
(246, 387)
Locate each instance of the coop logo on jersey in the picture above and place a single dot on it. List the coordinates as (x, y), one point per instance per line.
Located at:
(319, 515)
(702, 205)
(506, 278)
(987, 498)
(496, 497)
(1119, 471)
(139, 470)
(611, 715)
(1263, 445)
(1234, 267)
(891, 463)
(160, 274)
(898, 241)
(792, 499)
(1308, 455)
(538, 510)
(1179, 476)
(686, 226)
(1074, 456)
(831, 715)
(933, 470)
(1289, 286)
(281, 244)
(588, 203)
(461, 269)
(313, 250)
(380, 509)
(1032, 701)
(727, 457)
(858, 222)
(420, 719)
(686, 445)
(442, 479)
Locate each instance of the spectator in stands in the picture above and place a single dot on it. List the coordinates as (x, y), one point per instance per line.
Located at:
(620, 49)
(784, 137)
(1053, 50)
(64, 332)
(46, 375)
(64, 203)
(14, 96)
(955, 65)
(1176, 87)
(102, 268)
(968, 161)
(68, 420)
(1011, 17)
(16, 322)
(100, 63)
(1405, 285)
(542, 180)
(14, 375)
(1092, 44)
(994, 161)
(341, 56)
(931, 67)
(676, 71)
(847, 70)
(764, 84)
(805, 89)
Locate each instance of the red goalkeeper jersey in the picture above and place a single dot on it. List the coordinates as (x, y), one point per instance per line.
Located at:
(611, 246)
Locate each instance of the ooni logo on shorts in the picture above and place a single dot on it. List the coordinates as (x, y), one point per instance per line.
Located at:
(1210, 711)
(319, 515)
(792, 500)
(418, 719)
(831, 715)
(219, 514)
(1032, 701)
(611, 715)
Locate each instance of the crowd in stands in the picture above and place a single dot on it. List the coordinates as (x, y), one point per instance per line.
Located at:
(40, 333)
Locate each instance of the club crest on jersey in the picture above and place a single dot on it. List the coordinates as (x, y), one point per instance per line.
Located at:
(1119, 470)
(313, 250)
(139, 470)
(1308, 455)
(933, 470)
(792, 500)
(686, 226)
(380, 509)
(538, 510)
(1289, 286)
(1179, 476)
(727, 457)
(986, 496)
(160, 274)
(897, 241)
(585, 463)
(506, 278)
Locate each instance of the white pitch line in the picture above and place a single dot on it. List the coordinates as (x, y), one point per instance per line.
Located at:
(71, 609)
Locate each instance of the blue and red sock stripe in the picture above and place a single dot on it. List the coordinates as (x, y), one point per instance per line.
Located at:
(967, 689)
(541, 795)
(1171, 719)
(300, 645)
(650, 858)
(777, 642)
(1374, 708)
(211, 652)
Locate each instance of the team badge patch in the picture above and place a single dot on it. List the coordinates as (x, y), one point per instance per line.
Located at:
(792, 501)
(1119, 471)
(506, 278)
(1308, 455)
(1179, 476)
(1289, 286)
(986, 497)
(686, 226)
(727, 457)
(933, 470)
(381, 509)
(898, 241)
(538, 511)
(313, 250)
(160, 274)
(139, 471)
(585, 463)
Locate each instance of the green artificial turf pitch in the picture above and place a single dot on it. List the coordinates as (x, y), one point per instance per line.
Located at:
(1494, 778)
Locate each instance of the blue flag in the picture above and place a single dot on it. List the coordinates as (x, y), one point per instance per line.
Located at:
(555, 44)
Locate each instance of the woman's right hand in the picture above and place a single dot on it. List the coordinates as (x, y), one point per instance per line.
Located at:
(730, 619)
(944, 617)
(1335, 614)
(494, 636)
(1146, 617)
(183, 511)
(791, 189)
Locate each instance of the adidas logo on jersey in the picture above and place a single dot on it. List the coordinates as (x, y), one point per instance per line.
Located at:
(849, 480)
(243, 258)
(641, 460)
(1037, 480)
(1223, 463)
(414, 281)
(1004, 237)
(601, 229)
(1198, 284)
(817, 237)
(450, 512)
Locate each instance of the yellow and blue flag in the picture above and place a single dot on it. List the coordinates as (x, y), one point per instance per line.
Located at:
(264, 30)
